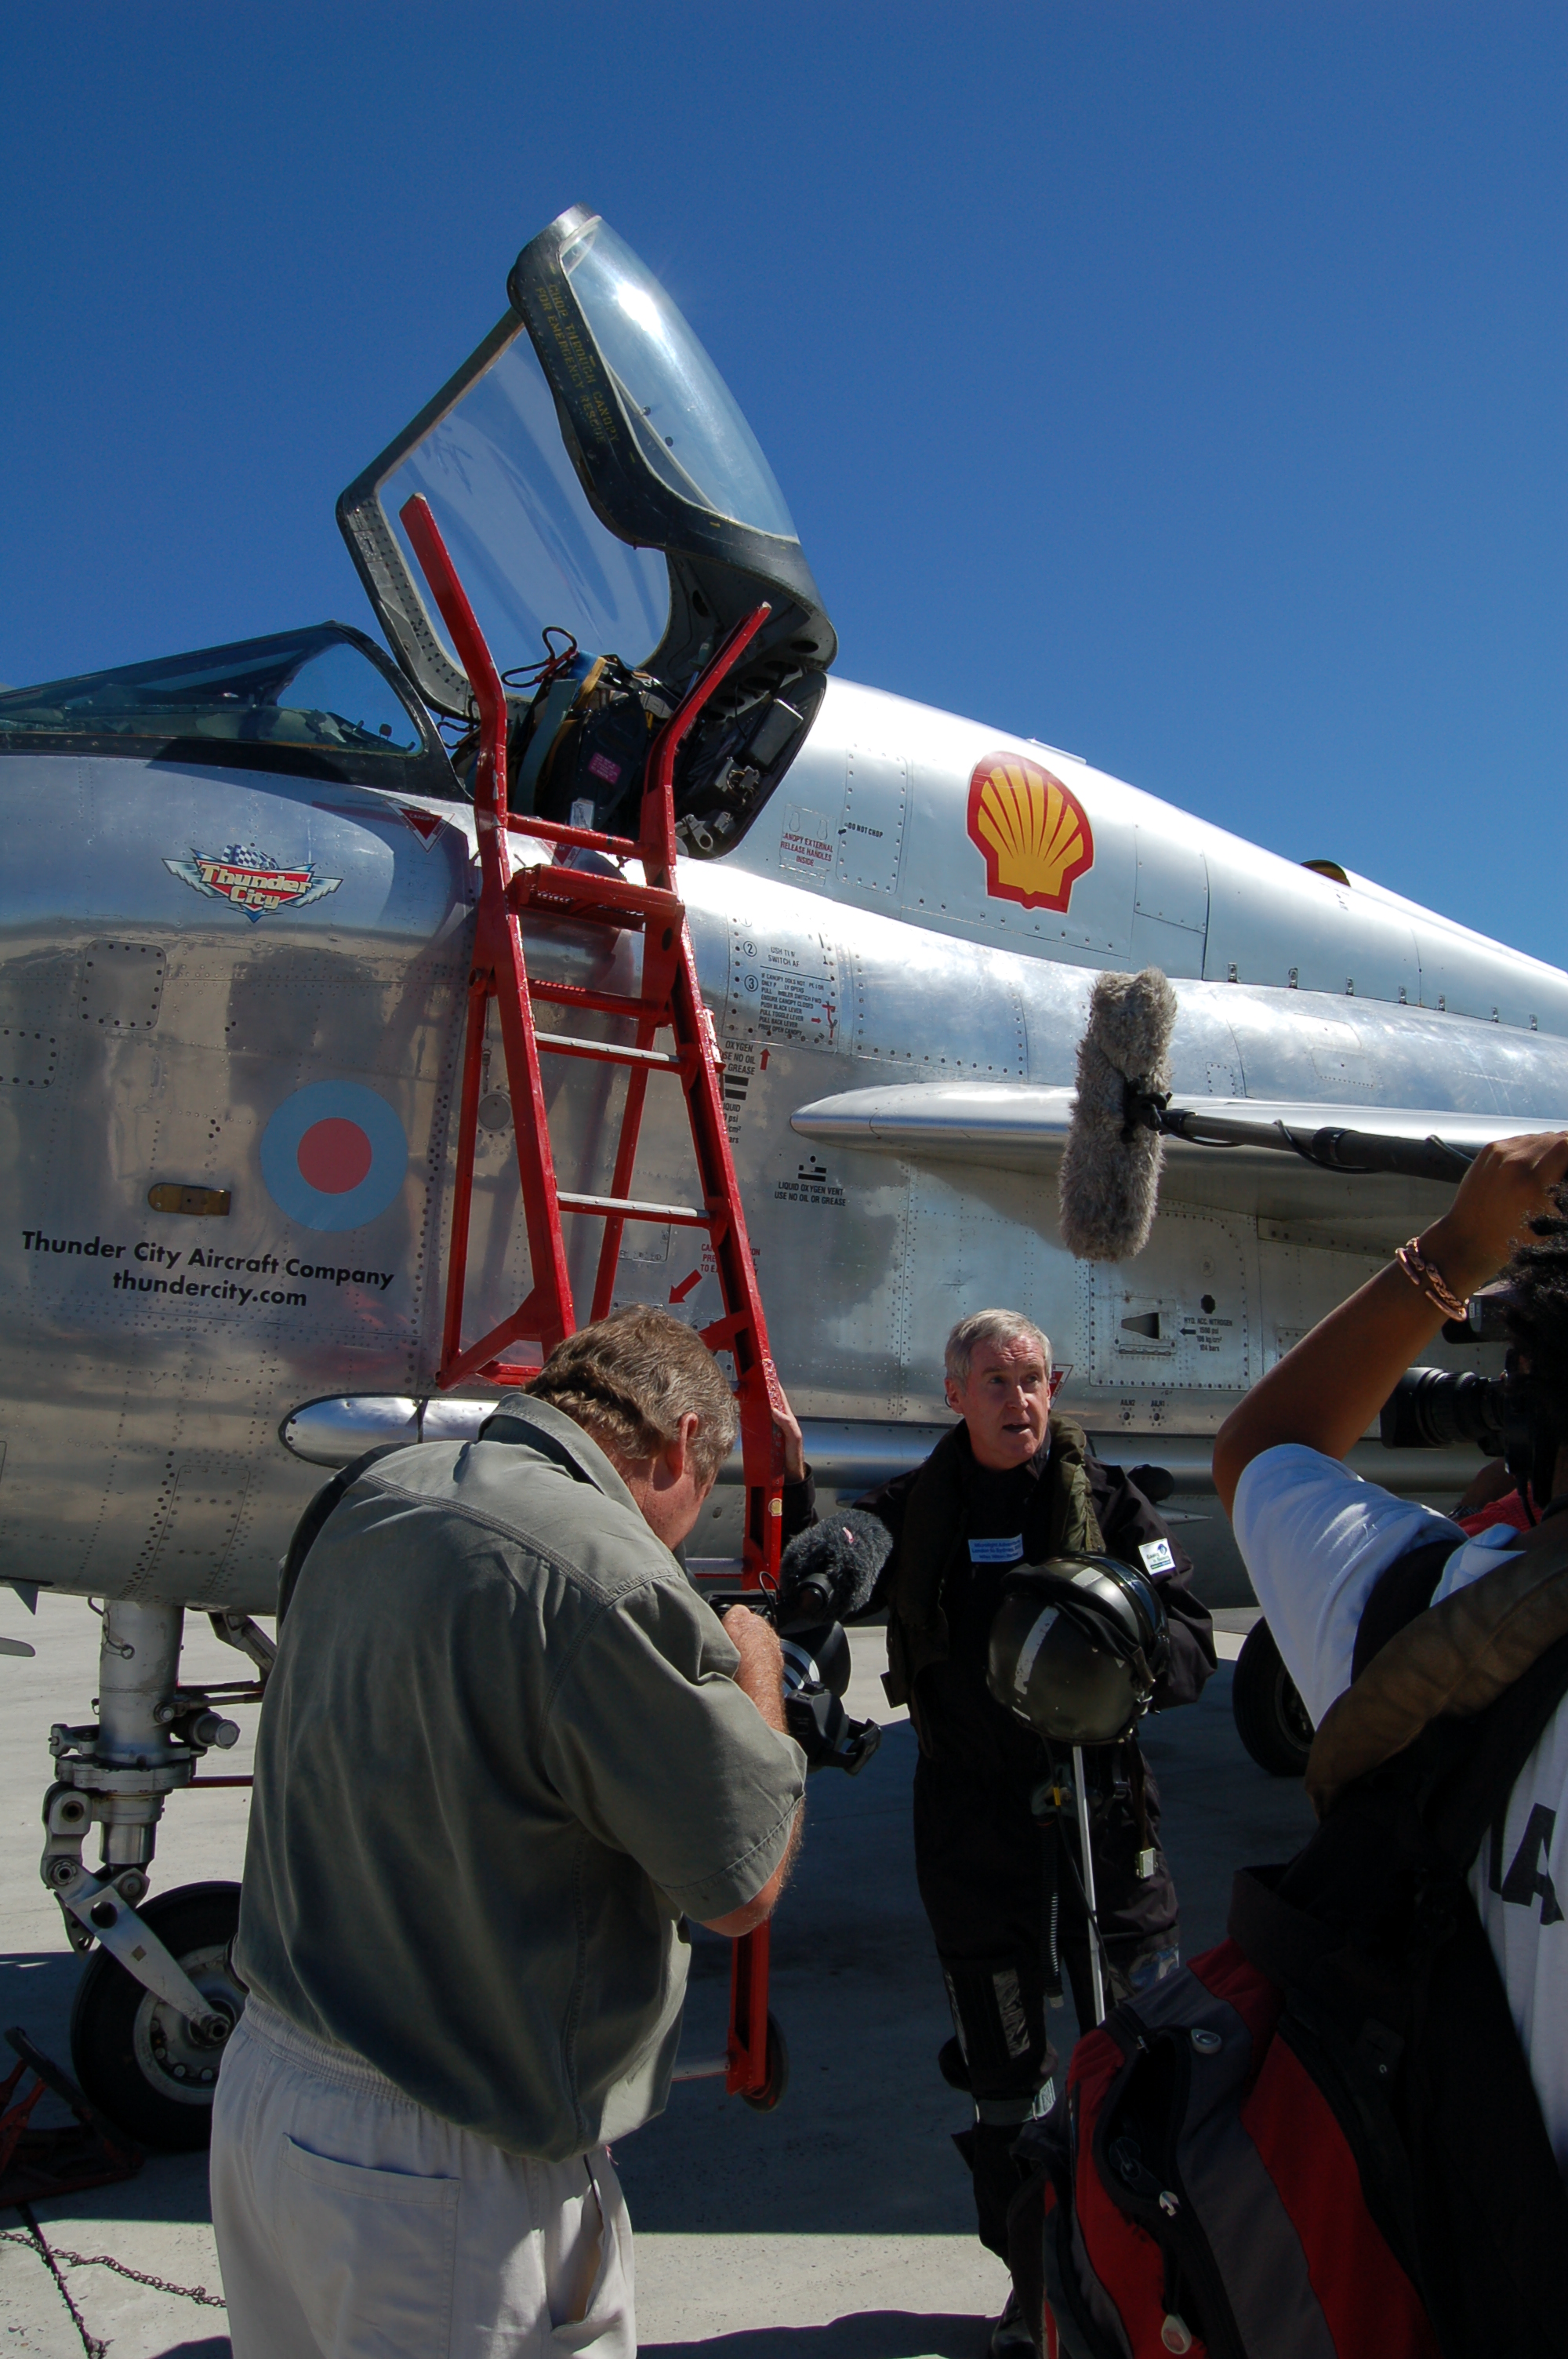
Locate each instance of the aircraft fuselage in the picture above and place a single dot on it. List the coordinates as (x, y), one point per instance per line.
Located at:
(282, 1035)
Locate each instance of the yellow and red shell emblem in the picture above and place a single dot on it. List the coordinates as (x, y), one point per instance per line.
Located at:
(1033, 832)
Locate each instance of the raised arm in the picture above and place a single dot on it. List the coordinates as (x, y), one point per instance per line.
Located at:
(1327, 1391)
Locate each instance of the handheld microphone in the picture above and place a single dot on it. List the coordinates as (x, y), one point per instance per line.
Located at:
(1110, 1184)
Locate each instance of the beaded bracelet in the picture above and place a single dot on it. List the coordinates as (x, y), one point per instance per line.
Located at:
(1428, 1279)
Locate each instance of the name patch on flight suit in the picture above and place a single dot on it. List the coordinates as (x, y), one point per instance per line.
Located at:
(1005, 1552)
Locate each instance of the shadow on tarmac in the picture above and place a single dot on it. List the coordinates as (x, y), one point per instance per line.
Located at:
(866, 2335)
(36, 1990)
(861, 2143)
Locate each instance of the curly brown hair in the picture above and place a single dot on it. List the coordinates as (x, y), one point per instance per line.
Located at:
(1536, 1308)
(628, 1380)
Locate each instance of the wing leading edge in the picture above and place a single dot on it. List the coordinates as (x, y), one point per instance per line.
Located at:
(1022, 1128)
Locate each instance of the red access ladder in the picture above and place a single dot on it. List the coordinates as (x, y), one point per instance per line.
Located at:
(669, 1000)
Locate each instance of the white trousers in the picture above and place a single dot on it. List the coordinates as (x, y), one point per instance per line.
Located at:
(354, 2224)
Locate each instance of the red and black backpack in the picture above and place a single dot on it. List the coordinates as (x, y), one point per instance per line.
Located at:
(1321, 2139)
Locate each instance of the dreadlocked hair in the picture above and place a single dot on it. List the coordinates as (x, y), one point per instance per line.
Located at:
(1535, 1305)
(628, 1380)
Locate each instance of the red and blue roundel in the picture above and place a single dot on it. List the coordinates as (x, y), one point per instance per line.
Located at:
(333, 1155)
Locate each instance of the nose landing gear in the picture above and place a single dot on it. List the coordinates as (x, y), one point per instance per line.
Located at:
(157, 1998)
(135, 2055)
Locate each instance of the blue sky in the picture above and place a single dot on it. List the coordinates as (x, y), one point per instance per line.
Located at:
(1182, 383)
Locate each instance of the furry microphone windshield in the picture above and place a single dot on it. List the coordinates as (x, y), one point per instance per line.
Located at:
(1110, 1184)
(829, 1570)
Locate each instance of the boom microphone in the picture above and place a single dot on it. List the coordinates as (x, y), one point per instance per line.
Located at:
(1109, 1183)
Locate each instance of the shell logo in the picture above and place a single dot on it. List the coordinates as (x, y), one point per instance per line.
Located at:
(1033, 832)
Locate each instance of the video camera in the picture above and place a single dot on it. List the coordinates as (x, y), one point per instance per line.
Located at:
(1435, 1408)
(1506, 1417)
(1440, 1409)
(816, 1674)
(828, 1572)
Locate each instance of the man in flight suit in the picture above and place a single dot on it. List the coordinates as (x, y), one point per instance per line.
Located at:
(1000, 1882)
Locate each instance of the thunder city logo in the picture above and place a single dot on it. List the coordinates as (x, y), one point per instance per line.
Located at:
(252, 881)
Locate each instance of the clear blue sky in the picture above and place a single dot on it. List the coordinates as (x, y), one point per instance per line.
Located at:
(1179, 383)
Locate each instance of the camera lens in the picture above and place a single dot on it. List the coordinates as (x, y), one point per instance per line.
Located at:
(1433, 1408)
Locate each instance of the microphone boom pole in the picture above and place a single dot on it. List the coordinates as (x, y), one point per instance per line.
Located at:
(1332, 1149)
(1109, 1183)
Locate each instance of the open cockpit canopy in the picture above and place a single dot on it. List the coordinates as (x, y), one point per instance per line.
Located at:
(593, 476)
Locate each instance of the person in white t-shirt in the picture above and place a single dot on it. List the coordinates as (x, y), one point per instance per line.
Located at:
(1316, 1539)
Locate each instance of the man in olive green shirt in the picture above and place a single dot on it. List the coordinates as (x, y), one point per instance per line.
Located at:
(505, 1749)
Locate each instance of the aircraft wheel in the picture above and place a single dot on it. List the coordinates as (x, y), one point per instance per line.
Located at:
(763, 2100)
(1271, 1718)
(135, 2055)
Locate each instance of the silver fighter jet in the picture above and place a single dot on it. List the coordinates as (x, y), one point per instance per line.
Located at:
(237, 899)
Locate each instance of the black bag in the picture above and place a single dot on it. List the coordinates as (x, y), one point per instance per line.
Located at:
(1322, 2137)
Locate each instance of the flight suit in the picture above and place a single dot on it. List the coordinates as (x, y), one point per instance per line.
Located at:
(999, 1876)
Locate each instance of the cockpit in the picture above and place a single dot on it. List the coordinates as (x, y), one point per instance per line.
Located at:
(322, 703)
(611, 517)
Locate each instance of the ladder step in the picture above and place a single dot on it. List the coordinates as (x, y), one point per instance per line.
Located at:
(627, 1208)
(580, 888)
(551, 830)
(606, 1052)
(603, 1003)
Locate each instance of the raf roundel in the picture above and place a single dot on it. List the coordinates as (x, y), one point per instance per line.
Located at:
(333, 1155)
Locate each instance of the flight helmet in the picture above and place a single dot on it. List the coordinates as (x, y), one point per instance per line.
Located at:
(1077, 1646)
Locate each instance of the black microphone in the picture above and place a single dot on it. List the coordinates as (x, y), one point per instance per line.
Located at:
(1110, 1185)
(829, 1573)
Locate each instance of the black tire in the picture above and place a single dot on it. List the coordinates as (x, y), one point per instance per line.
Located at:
(1271, 1718)
(763, 2100)
(132, 2053)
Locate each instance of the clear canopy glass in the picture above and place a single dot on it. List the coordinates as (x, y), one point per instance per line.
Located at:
(529, 551)
(310, 689)
(690, 429)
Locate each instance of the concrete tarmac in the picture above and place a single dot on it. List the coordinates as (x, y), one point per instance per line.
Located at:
(839, 2226)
